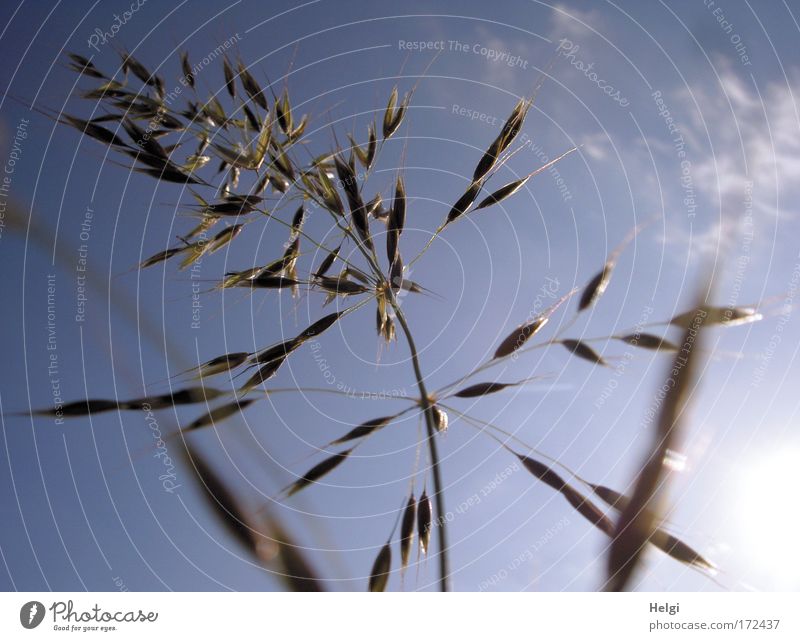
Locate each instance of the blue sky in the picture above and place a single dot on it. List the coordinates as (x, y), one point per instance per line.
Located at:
(83, 503)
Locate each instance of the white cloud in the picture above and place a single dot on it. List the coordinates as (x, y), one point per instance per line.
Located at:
(569, 22)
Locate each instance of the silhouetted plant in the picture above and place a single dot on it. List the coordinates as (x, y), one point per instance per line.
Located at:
(257, 143)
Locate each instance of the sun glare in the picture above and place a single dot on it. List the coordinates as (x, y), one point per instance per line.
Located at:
(769, 518)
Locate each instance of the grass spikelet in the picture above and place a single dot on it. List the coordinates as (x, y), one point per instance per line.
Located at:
(269, 282)
(440, 419)
(407, 530)
(680, 551)
(649, 341)
(219, 414)
(316, 328)
(397, 220)
(424, 521)
(161, 256)
(501, 194)
(227, 71)
(582, 350)
(223, 363)
(187, 396)
(727, 316)
(463, 204)
(341, 286)
(283, 112)
(664, 541)
(358, 213)
(392, 118)
(186, 69)
(251, 87)
(509, 131)
(297, 222)
(396, 272)
(94, 131)
(481, 389)
(82, 408)
(297, 572)
(519, 336)
(222, 501)
(381, 568)
(327, 263)
(317, 472)
(638, 521)
(264, 373)
(365, 429)
(279, 351)
(581, 504)
(596, 287)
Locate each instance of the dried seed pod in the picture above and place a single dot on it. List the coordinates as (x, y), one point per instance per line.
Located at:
(424, 521)
(407, 530)
(583, 351)
(519, 336)
(381, 569)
